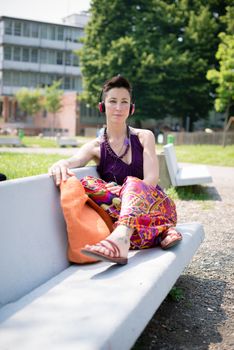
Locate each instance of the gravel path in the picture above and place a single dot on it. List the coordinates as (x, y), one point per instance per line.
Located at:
(204, 317)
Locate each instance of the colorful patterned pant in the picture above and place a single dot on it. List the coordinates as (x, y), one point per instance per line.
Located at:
(145, 208)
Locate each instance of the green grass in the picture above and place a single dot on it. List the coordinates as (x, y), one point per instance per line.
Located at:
(37, 142)
(187, 193)
(200, 154)
(47, 142)
(16, 165)
(206, 154)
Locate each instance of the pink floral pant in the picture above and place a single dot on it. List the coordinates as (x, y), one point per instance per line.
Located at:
(145, 208)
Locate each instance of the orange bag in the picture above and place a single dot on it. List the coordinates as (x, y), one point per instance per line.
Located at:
(86, 222)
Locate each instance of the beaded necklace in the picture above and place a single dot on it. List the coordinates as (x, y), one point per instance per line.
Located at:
(110, 150)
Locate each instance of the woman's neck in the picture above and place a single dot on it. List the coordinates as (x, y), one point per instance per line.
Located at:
(115, 133)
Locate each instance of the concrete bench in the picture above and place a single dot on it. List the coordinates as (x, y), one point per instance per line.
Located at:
(48, 303)
(186, 175)
(64, 142)
(10, 141)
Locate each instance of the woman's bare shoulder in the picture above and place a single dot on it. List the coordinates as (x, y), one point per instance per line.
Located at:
(141, 133)
(93, 143)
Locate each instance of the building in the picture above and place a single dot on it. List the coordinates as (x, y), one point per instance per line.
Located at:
(34, 54)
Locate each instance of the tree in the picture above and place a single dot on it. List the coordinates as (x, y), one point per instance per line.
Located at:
(52, 101)
(164, 47)
(30, 101)
(223, 76)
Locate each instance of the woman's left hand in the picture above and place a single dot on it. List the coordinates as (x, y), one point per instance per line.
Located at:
(113, 187)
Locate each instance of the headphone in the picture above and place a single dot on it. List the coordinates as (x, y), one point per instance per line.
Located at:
(102, 107)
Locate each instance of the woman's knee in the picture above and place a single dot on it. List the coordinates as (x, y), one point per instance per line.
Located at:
(133, 184)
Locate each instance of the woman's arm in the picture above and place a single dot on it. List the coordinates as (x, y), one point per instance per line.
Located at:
(89, 151)
(150, 160)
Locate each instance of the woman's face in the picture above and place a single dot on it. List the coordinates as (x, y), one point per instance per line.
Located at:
(117, 103)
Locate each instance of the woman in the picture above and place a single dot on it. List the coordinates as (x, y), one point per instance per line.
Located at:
(126, 160)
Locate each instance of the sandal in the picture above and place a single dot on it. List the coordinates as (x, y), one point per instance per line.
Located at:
(170, 238)
(111, 247)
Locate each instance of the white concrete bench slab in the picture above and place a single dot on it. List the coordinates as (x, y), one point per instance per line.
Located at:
(64, 142)
(10, 141)
(187, 175)
(46, 302)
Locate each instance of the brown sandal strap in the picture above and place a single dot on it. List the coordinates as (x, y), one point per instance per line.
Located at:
(113, 247)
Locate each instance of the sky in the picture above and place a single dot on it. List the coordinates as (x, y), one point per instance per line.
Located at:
(42, 10)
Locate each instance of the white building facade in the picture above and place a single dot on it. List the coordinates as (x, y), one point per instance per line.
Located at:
(34, 54)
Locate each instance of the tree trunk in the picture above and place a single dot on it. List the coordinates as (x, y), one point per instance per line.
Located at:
(225, 125)
(53, 125)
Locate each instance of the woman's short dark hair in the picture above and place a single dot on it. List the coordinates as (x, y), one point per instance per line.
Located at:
(116, 82)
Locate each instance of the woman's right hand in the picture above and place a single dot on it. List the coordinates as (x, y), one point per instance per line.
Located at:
(60, 171)
(113, 187)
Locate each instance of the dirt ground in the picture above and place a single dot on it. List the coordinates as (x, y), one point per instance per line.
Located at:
(203, 318)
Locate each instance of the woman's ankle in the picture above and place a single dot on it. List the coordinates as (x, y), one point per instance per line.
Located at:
(121, 236)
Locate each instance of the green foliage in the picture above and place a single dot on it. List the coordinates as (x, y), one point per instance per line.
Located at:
(176, 294)
(163, 47)
(53, 102)
(53, 95)
(223, 77)
(30, 101)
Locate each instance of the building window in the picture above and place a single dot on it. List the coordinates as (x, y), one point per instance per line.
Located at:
(68, 60)
(24, 79)
(17, 29)
(51, 32)
(34, 55)
(78, 84)
(43, 56)
(60, 33)
(67, 83)
(8, 27)
(35, 30)
(75, 60)
(7, 78)
(16, 54)
(75, 35)
(59, 57)
(44, 31)
(41, 80)
(26, 29)
(15, 79)
(73, 83)
(50, 57)
(7, 52)
(33, 79)
(25, 55)
(79, 34)
(68, 34)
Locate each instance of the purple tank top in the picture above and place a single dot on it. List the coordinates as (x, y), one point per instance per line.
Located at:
(114, 169)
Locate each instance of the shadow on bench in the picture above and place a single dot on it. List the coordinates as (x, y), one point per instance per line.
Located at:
(46, 302)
